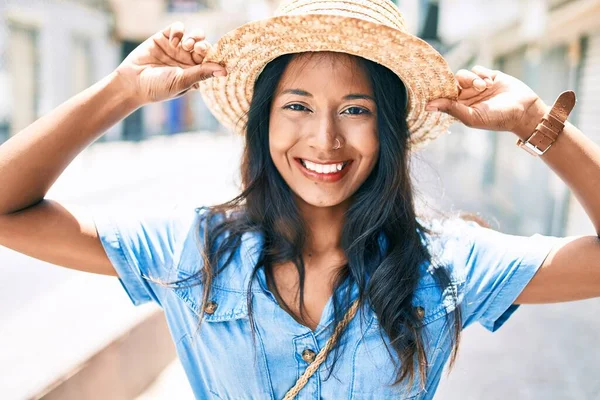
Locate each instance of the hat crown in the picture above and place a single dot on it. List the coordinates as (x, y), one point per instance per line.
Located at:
(383, 12)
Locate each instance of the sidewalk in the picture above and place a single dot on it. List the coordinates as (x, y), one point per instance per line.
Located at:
(171, 384)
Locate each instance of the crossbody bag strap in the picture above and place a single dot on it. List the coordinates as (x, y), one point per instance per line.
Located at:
(320, 358)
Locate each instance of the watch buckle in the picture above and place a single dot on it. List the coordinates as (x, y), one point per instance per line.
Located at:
(532, 149)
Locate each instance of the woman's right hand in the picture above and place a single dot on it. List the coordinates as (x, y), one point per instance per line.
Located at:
(167, 65)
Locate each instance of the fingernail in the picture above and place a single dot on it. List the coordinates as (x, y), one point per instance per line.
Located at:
(219, 73)
(489, 81)
(431, 108)
(479, 84)
(175, 41)
(189, 43)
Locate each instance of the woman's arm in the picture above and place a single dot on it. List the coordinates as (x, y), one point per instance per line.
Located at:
(572, 269)
(495, 101)
(30, 162)
(576, 160)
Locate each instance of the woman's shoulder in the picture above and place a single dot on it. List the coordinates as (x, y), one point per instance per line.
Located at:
(448, 234)
(448, 225)
(449, 242)
(240, 261)
(469, 249)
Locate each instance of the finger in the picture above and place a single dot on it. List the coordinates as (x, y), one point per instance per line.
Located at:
(170, 55)
(199, 52)
(174, 33)
(470, 93)
(465, 114)
(484, 72)
(198, 58)
(467, 79)
(198, 73)
(488, 75)
(201, 47)
(191, 38)
(166, 32)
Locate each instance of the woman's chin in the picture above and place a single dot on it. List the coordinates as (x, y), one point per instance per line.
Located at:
(322, 201)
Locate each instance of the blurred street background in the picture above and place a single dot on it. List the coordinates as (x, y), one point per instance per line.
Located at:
(56, 323)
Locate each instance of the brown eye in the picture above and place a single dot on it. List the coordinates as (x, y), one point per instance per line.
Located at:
(301, 107)
(358, 110)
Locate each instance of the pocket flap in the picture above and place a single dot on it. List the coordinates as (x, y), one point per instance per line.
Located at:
(226, 305)
(222, 305)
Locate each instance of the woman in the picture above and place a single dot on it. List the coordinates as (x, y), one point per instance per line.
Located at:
(319, 279)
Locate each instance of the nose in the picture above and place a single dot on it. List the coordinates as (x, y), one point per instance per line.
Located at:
(324, 133)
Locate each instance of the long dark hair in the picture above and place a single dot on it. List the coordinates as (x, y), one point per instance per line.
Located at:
(383, 207)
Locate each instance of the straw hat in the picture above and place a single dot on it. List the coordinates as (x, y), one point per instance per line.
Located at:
(372, 29)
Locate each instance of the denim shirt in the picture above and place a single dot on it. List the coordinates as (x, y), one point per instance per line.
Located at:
(488, 271)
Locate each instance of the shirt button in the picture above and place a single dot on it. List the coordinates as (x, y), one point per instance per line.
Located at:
(420, 312)
(308, 355)
(210, 307)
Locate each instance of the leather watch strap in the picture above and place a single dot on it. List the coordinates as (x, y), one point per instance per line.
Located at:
(550, 126)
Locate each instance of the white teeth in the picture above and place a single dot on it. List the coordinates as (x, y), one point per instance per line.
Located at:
(323, 168)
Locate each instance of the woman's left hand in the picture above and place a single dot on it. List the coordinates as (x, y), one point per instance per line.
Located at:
(492, 100)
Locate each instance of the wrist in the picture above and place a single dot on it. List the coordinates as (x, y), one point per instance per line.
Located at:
(128, 95)
(533, 116)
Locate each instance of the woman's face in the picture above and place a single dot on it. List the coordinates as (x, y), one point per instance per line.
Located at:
(322, 97)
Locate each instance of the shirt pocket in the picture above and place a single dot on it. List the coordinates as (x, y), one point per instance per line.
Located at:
(373, 368)
(228, 363)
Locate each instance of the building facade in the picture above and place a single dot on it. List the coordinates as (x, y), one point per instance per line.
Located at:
(49, 51)
(552, 45)
(53, 49)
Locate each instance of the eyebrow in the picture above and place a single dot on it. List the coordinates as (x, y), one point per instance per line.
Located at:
(352, 96)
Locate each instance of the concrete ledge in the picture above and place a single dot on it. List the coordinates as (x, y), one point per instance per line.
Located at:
(121, 370)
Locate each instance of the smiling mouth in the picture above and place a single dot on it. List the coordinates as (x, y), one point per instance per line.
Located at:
(325, 173)
(332, 168)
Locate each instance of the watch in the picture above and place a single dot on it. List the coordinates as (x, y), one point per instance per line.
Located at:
(551, 125)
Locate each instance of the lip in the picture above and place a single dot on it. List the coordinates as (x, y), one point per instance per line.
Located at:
(321, 162)
(315, 176)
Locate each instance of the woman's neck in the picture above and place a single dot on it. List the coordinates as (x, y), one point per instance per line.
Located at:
(324, 228)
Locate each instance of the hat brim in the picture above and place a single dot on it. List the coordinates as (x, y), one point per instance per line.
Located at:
(246, 50)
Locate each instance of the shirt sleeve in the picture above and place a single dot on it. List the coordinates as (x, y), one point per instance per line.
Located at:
(492, 269)
(144, 248)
